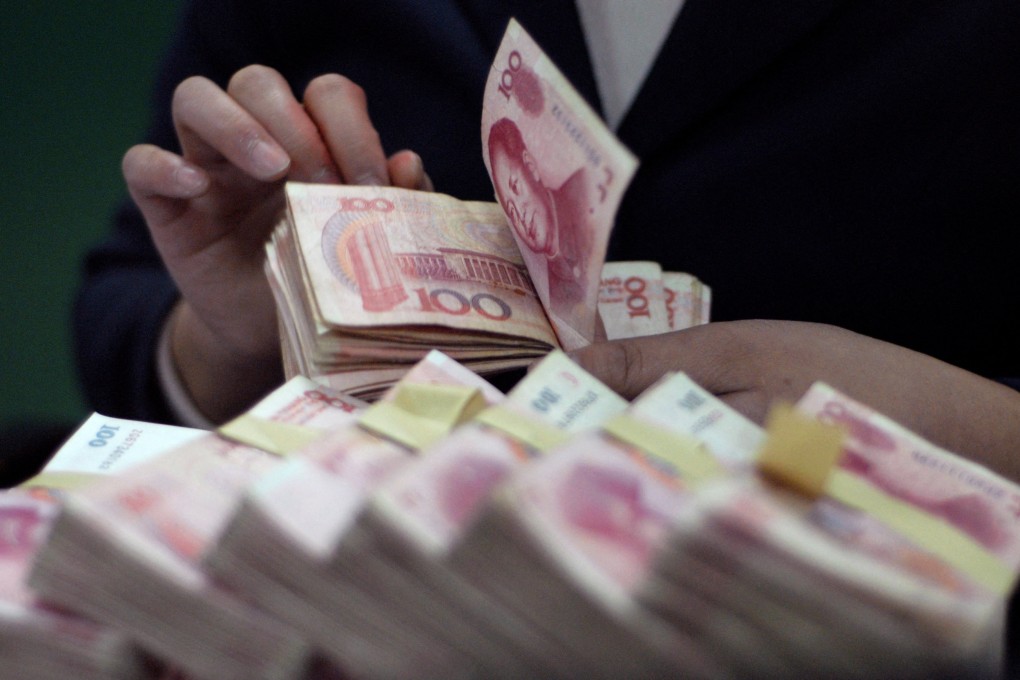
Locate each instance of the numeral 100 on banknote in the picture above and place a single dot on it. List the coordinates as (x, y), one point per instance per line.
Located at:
(452, 302)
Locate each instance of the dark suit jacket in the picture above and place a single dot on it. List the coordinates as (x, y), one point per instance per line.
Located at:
(847, 161)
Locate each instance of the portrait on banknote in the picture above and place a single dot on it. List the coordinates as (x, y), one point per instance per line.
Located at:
(550, 221)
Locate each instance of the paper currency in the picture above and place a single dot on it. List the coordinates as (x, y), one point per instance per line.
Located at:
(559, 173)
(143, 532)
(103, 446)
(632, 300)
(904, 470)
(688, 300)
(373, 277)
(367, 279)
(872, 578)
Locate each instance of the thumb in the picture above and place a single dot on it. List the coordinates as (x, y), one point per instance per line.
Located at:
(631, 365)
(712, 354)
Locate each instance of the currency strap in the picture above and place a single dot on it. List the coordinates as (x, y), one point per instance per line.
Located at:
(799, 452)
(277, 438)
(420, 415)
(672, 453)
(63, 481)
(802, 453)
(528, 430)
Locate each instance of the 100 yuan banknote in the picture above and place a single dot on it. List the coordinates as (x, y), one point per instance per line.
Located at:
(379, 256)
(559, 173)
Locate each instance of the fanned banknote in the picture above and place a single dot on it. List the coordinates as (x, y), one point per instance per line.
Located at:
(559, 173)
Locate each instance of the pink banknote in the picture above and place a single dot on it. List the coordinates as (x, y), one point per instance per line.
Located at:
(559, 173)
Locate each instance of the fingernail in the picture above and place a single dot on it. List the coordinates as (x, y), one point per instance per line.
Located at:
(269, 160)
(370, 179)
(189, 179)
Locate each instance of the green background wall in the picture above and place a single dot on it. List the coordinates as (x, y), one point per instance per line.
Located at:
(76, 76)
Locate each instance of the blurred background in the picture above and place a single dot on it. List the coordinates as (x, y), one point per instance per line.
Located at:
(76, 78)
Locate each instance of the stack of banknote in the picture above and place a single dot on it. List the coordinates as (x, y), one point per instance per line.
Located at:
(368, 279)
(449, 530)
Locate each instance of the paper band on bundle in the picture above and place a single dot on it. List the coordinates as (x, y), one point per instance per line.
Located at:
(420, 415)
(275, 437)
(65, 481)
(526, 429)
(684, 456)
(799, 451)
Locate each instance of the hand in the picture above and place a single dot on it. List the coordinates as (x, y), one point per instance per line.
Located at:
(752, 364)
(211, 209)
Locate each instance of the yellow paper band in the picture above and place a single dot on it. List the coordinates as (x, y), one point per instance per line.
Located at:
(683, 456)
(799, 451)
(929, 532)
(528, 430)
(281, 439)
(420, 415)
(66, 481)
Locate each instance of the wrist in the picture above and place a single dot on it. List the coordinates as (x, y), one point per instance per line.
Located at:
(220, 381)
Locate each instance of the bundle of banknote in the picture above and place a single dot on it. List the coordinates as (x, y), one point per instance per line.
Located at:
(278, 548)
(368, 279)
(565, 541)
(125, 550)
(449, 530)
(37, 640)
(900, 561)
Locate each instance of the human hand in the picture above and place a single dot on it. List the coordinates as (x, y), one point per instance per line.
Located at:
(752, 364)
(211, 208)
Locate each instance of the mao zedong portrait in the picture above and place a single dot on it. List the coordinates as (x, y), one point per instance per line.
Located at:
(550, 222)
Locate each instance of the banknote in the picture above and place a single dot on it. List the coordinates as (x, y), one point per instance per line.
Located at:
(878, 575)
(590, 516)
(414, 516)
(145, 531)
(380, 256)
(679, 403)
(156, 519)
(559, 174)
(632, 300)
(823, 605)
(688, 300)
(292, 416)
(435, 497)
(103, 446)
